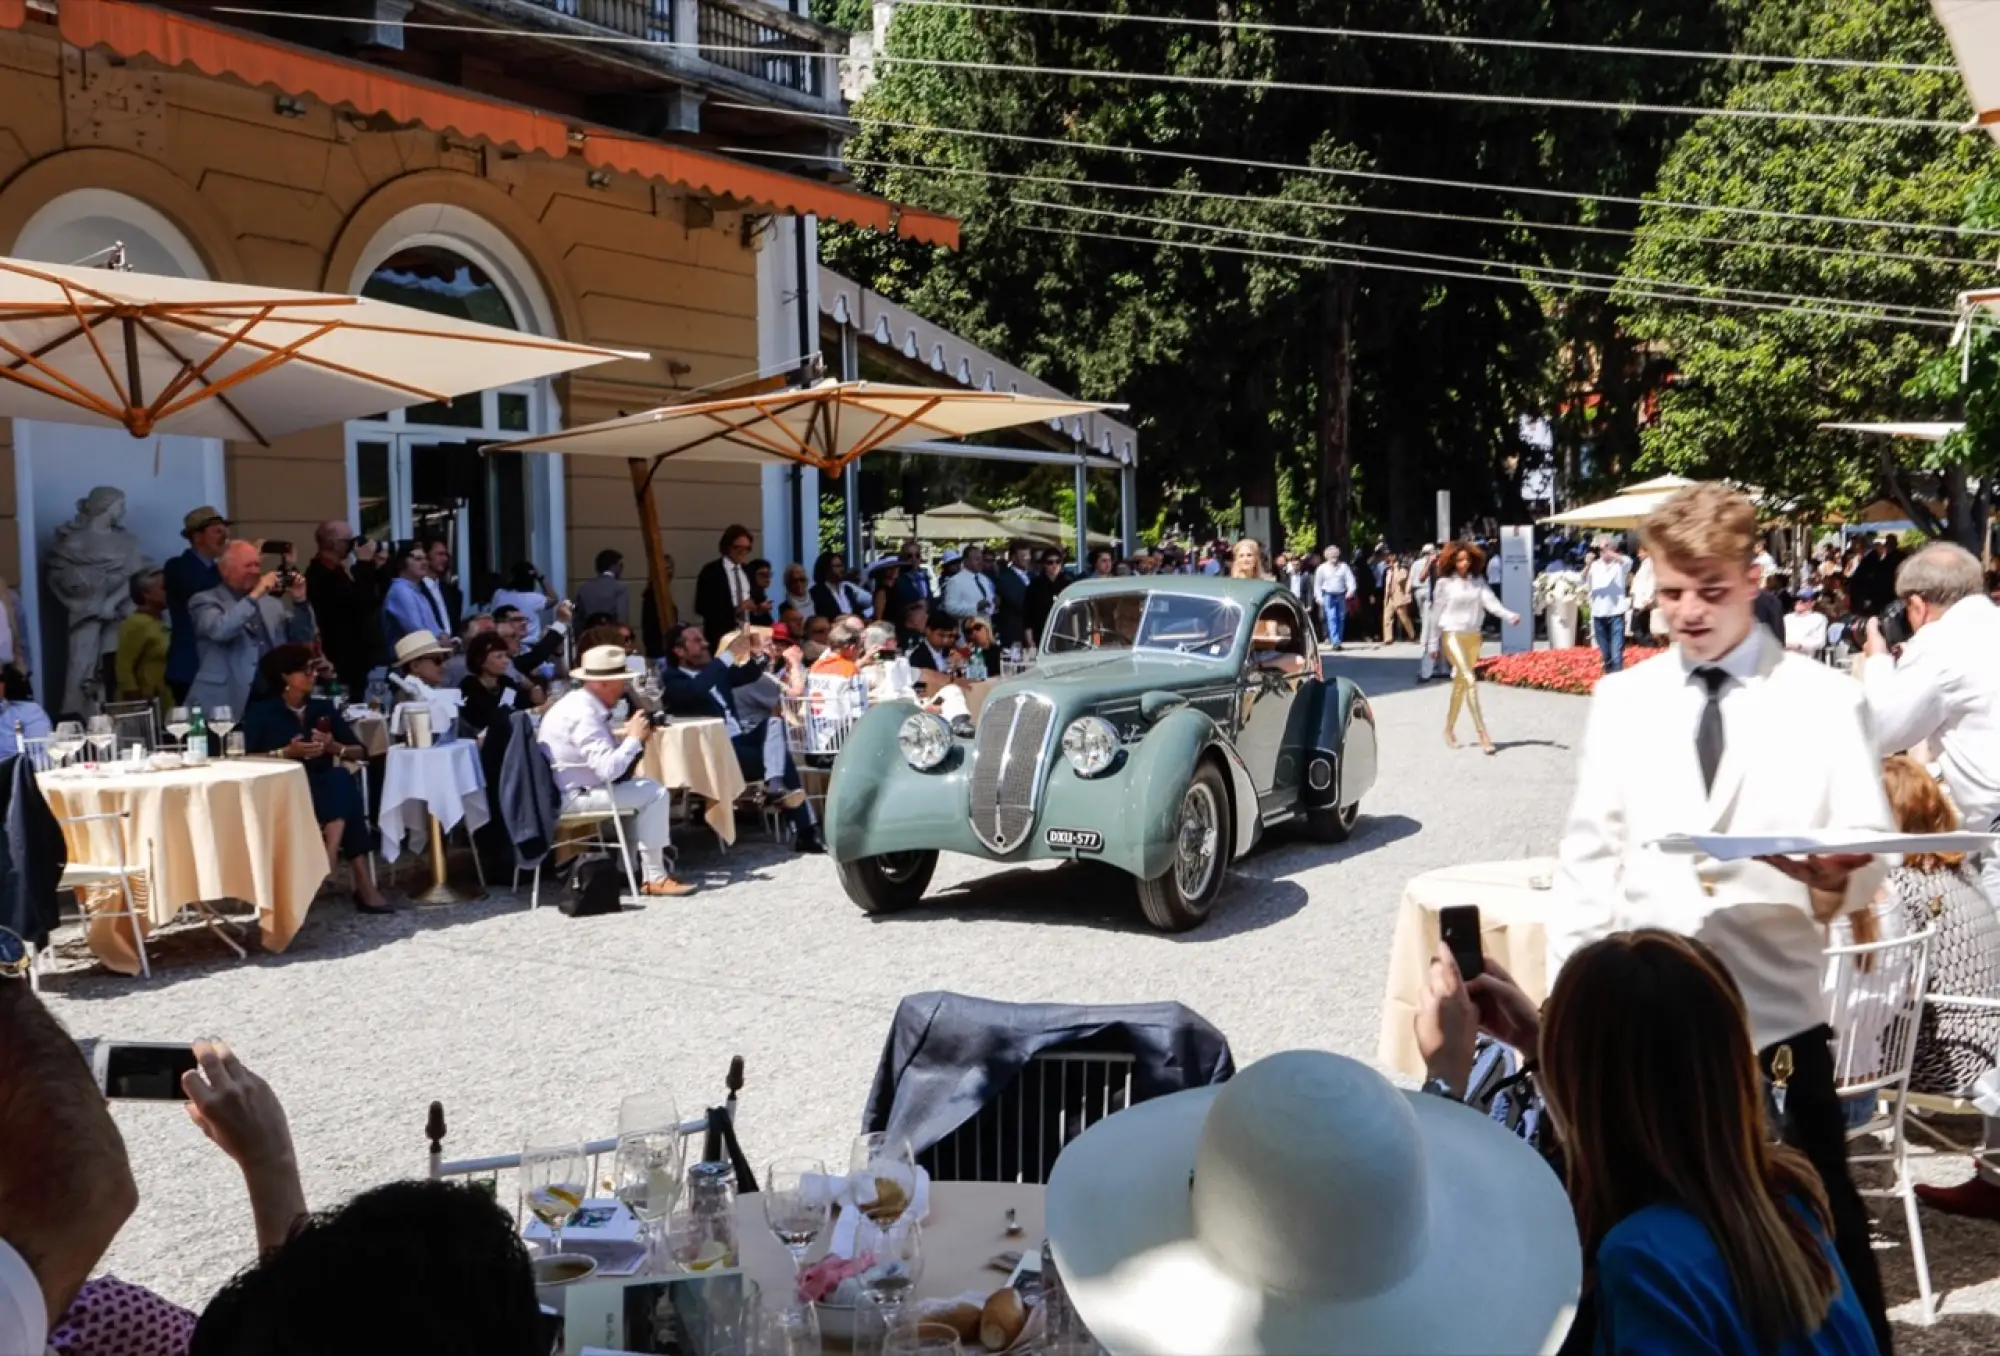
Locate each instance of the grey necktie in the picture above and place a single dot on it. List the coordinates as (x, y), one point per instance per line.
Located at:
(1708, 735)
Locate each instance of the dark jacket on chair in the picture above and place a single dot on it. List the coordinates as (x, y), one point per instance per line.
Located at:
(530, 802)
(35, 857)
(949, 1056)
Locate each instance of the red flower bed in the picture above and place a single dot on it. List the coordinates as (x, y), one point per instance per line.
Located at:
(1574, 670)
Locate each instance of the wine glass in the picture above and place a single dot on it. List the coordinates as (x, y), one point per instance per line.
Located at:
(222, 720)
(652, 1110)
(102, 737)
(882, 1175)
(647, 1177)
(895, 1253)
(178, 725)
(797, 1202)
(553, 1178)
(65, 739)
(922, 1339)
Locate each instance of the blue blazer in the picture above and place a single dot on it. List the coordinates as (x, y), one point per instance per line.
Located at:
(706, 693)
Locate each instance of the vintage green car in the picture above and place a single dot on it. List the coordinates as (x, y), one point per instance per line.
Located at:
(1168, 722)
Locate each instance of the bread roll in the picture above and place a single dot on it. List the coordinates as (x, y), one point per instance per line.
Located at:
(962, 1318)
(1002, 1319)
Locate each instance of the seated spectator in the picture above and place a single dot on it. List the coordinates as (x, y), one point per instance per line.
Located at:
(590, 764)
(798, 591)
(419, 666)
(791, 619)
(527, 590)
(478, 624)
(936, 649)
(543, 659)
(913, 624)
(142, 644)
(292, 723)
(980, 639)
(1805, 624)
(491, 692)
(20, 716)
(833, 593)
(818, 629)
(1701, 1233)
(842, 658)
(699, 684)
(432, 1267)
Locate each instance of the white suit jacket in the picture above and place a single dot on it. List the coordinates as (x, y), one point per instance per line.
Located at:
(1798, 755)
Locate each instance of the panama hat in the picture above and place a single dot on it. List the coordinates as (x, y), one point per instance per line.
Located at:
(1307, 1206)
(420, 645)
(604, 664)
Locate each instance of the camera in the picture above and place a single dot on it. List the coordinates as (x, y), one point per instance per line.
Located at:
(1895, 624)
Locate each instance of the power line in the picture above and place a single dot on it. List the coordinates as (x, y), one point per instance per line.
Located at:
(1323, 260)
(1447, 39)
(1164, 77)
(1336, 172)
(1366, 209)
(1620, 279)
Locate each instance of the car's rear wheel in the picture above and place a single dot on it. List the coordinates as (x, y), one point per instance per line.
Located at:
(1182, 897)
(894, 880)
(1333, 823)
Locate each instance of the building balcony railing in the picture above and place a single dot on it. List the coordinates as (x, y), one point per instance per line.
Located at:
(749, 37)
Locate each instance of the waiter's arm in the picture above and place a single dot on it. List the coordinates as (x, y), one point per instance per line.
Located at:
(1590, 859)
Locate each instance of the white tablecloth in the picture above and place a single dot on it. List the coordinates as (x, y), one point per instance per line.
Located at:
(444, 780)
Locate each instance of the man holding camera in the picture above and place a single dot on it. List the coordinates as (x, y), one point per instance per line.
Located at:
(1942, 687)
(237, 623)
(589, 758)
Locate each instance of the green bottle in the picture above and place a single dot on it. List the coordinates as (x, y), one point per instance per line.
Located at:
(197, 736)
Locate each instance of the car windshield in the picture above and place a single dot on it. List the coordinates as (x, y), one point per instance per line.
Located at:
(1175, 622)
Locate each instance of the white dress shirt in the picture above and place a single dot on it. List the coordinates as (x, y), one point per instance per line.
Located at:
(1608, 597)
(1946, 689)
(582, 747)
(437, 599)
(1333, 576)
(968, 594)
(24, 1317)
(1798, 755)
(739, 581)
(1805, 632)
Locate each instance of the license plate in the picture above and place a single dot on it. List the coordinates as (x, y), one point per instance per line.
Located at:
(1076, 840)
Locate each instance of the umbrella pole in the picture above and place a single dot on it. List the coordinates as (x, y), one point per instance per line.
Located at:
(657, 574)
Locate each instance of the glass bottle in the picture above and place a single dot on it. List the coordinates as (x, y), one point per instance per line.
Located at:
(197, 736)
(711, 1197)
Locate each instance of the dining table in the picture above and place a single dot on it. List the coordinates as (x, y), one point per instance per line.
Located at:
(234, 829)
(697, 756)
(1513, 898)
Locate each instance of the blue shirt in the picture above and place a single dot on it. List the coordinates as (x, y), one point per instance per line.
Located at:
(186, 574)
(1663, 1287)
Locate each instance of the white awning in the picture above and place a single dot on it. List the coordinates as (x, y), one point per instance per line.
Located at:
(1921, 432)
(1974, 29)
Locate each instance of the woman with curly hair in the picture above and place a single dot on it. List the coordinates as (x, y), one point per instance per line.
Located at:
(1460, 599)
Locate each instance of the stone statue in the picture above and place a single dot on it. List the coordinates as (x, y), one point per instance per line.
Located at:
(89, 569)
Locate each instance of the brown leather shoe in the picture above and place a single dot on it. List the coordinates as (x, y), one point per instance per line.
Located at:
(666, 888)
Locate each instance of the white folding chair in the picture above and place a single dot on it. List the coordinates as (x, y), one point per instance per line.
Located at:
(1877, 1000)
(132, 882)
(135, 722)
(595, 820)
(816, 727)
(35, 750)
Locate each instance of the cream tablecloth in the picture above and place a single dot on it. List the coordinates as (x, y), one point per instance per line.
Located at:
(1512, 914)
(966, 1229)
(242, 829)
(373, 732)
(444, 780)
(696, 755)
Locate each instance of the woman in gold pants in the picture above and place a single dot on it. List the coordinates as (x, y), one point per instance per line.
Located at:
(1461, 602)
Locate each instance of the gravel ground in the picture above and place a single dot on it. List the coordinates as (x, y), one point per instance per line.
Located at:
(516, 1020)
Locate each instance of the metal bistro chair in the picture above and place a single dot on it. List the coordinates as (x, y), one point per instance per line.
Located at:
(1877, 996)
(1016, 1136)
(486, 1171)
(594, 820)
(816, 727)
(135, 722)
(133, 883)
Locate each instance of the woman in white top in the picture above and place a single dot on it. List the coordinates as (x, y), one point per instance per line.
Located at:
(1460, 601)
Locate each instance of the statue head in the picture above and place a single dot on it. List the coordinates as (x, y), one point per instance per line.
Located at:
(104, 503)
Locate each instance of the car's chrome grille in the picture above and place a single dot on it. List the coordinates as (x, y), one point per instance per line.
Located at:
(1007, 758)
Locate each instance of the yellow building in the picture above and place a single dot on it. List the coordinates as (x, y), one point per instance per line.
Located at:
(439, 169)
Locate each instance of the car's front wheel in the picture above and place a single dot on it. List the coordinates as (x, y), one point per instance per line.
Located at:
(1182, 897)
(891, 881)
(1333, 823)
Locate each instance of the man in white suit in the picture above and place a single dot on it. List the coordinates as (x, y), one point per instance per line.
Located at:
(1727, 733)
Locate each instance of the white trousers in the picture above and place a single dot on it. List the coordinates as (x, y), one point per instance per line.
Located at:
(651, 820)
(1428, 637)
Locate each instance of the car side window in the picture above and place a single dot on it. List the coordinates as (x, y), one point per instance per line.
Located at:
(1278, 641)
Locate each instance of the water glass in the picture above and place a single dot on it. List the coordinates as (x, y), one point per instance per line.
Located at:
(896, 1253)
(797, 1203)
(647, 1177)
(922, 1339)
(882, 1169)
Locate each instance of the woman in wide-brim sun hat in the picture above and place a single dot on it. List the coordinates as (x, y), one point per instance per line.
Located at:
(1309, 1208)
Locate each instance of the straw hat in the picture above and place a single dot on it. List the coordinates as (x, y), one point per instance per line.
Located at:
(1307, 1206)
(197, 519)
(604, 664)
(420, 645)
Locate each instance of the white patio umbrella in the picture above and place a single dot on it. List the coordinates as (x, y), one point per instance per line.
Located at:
(154, 355)
(957, 522)
(1923, 432)
(1626, 509)
(827, 425)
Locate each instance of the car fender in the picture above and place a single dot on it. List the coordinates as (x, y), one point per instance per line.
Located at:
(1156, 774)
(877, 803)
(1340, 765)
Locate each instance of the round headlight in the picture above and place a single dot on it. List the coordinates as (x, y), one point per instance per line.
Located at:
(1090, 743)
(926, 739)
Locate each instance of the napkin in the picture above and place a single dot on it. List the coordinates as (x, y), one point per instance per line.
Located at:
(848, 1223)
(604, 1229)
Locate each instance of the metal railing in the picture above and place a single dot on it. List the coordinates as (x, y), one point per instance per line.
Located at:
(732, 34)
(652, 20)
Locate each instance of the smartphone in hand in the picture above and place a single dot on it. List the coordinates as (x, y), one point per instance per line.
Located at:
(1459, 926)
(141, 1071)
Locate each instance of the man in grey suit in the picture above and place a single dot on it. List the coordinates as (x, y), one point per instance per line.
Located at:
(606, 593)
(240, 621)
